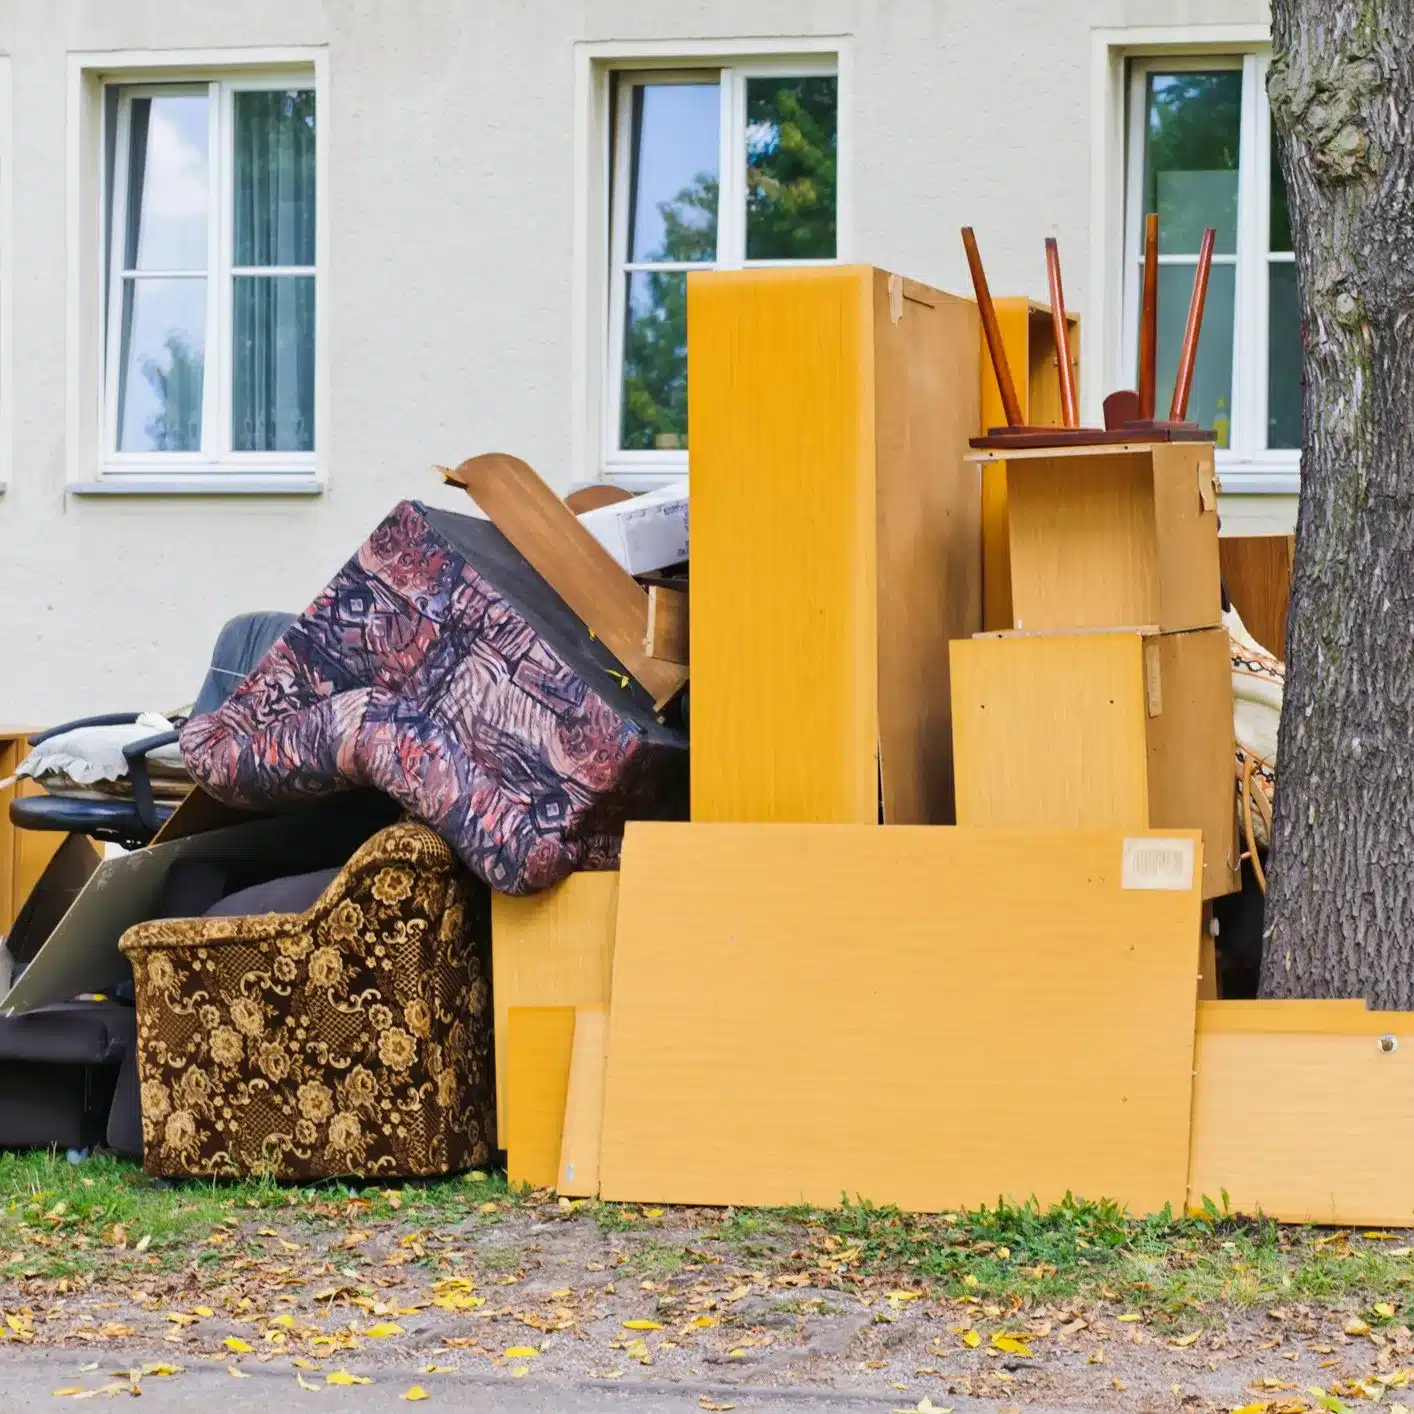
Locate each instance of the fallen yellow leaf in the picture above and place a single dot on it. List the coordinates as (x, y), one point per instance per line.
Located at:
(903, 1295)
(1355, 1326)
(1010, 1344)
(381, 1330)
(642, 1326)
(439, 1369)
(203, 1311)
(652, 1212)
(239, 1374)
(68, 1390)
(415, 1393)
(1258, 1408)
(1383, 1308)
(971, 1339)
(302, 1382)
(702, 1322)
(159, 1369)
(143, 1243)
(1098, 1358)
(520, 1352)
(235, 1343)
(1130, 1316)
(342, 1377)
(703, 1402)
(1189, 1339)
(520, 1371)
(488, 1208)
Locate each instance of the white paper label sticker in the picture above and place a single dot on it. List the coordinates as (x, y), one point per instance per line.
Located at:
(1157, 864)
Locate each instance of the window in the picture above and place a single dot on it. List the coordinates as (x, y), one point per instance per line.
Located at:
(711, 168)
(210, 278)
(1201, 154)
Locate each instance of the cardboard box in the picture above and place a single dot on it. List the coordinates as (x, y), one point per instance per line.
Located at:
(81, 953)
(646, 533)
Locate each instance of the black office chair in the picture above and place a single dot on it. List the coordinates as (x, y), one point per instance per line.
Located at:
(132, 822)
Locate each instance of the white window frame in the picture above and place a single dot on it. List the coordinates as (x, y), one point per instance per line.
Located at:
(1120, 59)
(94, 464)
(601, 234)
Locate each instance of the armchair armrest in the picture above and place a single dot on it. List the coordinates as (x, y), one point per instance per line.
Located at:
(135, 753)
(106, 719)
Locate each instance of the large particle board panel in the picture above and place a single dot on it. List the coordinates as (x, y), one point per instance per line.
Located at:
(836, 541)
(1114, 535)
(1304, 1111)
(539, 1049)
(1257, 572)
(554, 948)
(1029, 338)
(921, 1016)
(1100, 731)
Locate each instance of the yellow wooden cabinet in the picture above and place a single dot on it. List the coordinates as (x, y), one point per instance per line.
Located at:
(1114, 731)
(836, 541)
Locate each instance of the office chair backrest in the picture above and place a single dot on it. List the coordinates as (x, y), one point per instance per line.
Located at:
(240, 645)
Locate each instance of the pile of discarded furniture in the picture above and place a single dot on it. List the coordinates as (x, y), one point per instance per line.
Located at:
(933, 911)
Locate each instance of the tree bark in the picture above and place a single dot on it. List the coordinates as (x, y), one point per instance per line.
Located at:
(1340, 915)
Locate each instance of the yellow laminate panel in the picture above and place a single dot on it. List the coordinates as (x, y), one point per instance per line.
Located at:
(1051, 732)
(539, 1045)
(926, 1016)
(584, 1104)
(783, 604)
(554, 948)
(1305, 1125)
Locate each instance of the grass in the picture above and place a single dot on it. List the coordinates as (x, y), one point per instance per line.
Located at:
(88, 1221)
(59, 1219)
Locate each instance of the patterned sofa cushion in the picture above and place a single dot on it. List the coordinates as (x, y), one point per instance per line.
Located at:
(438, 667)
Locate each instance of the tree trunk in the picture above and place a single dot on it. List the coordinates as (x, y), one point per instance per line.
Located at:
(1340, 915)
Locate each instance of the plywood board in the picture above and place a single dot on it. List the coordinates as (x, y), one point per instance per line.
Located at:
(584, 1104)
(1051, 732)
(783, 603)
(1191, 780)
(539, 1046)
(929, 560)
(554, 948)
(971, 1013)
(1300, 1112)
(1257, 572)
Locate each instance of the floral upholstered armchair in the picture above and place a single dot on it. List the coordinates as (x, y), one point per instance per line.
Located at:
(354, 1038)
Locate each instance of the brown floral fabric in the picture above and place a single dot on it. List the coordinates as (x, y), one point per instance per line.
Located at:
(355, 1038)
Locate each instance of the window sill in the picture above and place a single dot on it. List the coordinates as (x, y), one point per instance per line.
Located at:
(199, 485)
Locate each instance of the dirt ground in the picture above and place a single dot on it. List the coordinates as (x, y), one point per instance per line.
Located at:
(558, 1294)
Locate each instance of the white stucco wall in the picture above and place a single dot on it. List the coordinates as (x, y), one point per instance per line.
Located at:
(450, 198)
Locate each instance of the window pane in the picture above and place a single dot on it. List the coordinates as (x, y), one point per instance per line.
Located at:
(1192, 121)
(1283, 357)
(655, 363)
(673, 189)
(274, 178)
(272, 404)
(791, 149)
(167, 184)
(160, 365)
(1210, 399)
(1281, 213)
